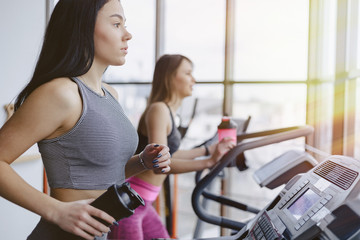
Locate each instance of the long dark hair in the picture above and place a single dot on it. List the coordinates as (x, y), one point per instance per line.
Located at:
(68, 47)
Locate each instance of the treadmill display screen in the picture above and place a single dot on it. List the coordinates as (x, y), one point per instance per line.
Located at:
(303, 203)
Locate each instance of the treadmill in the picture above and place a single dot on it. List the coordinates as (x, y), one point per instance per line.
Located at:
(322, 203)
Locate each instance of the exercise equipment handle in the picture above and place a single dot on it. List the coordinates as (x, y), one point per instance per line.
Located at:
(267, 138)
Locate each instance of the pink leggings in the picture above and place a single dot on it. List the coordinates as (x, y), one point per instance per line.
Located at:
(145, 223)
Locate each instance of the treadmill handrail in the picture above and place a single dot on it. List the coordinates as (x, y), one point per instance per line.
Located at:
(268, 137)
(243, 136)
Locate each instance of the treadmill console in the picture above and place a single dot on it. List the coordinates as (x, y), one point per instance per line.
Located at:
(304, 208)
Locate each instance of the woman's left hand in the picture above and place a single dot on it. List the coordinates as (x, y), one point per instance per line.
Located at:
(156, 157)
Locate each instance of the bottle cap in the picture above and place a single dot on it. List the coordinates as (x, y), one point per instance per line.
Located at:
(225, 118)
(227, 123)
(131, 198)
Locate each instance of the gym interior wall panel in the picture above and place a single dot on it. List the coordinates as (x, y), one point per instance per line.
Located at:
(16, 223)
(22, 25)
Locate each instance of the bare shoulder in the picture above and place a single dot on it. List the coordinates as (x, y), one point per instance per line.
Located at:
(158, 111)
(61, 91)
(58, 98)
(111, 90)
(50, 110)
(158, 107)
(158, 122)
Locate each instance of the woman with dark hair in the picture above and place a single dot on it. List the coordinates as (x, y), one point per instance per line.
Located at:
(86, 142)
(172, 82)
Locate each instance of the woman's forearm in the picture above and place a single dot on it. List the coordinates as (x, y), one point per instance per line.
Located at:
(155, 157)
(190, 154)
(133, 166)
(16, 190)
(186, 165)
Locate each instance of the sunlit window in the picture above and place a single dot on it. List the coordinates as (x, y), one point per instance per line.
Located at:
(270, 105)
(358, 38)
(133, 99)
(271, 39)
(196, 29)
(328, 45)
(140, 61)
(208, 111)
(357, 121)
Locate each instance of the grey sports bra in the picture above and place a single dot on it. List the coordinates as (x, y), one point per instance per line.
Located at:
(93, 154)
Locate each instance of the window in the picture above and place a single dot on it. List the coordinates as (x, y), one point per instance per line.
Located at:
(196, 29)
(271, 40)
(140, 60)
(133, 99)
(270, 105)
(357, 121)
(207, 116)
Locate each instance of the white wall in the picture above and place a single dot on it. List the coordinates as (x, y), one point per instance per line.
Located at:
(22, 24)
(16, 222)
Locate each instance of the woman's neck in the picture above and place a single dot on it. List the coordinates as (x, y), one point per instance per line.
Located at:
(93, 78)
(174, 104)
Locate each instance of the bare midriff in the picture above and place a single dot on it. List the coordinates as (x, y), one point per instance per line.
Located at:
(69, 195)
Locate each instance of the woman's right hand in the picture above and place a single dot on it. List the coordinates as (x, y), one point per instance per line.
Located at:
(221, 148)
(78, 218)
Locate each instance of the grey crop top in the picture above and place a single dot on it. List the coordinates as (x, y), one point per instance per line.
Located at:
(173, 139)
(93, 154)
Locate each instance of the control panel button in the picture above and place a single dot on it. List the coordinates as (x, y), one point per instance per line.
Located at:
(328, 197)
(315, 209)
(301, 222)
(324, 201)
(319, 205)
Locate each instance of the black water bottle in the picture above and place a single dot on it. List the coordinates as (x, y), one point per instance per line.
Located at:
(119, 201)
